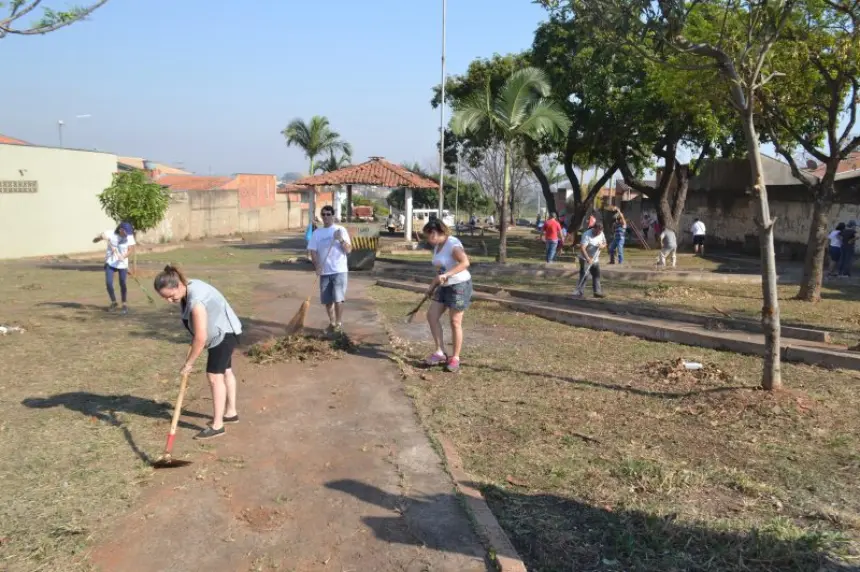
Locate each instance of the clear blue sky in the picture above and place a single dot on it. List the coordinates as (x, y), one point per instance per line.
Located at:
(211, 84)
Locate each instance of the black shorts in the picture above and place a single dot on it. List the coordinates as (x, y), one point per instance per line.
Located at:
(221, 356)
(699, 239)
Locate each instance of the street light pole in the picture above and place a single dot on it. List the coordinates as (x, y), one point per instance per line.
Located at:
(442, 118)
(60, 130)
(457, 196)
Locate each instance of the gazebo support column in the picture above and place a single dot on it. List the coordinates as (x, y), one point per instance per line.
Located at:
(349, 203)
(407, 230)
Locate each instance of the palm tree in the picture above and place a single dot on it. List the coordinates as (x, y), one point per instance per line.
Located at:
(334, 162)
(315, 138)
(519, 112)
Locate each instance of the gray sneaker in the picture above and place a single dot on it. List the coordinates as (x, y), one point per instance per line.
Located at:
(113, 307)
(124, 310)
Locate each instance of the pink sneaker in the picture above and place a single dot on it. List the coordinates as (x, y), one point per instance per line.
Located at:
(436, 359)
(453, 365)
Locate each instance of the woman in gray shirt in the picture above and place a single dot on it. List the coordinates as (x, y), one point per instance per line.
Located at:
(214, 327)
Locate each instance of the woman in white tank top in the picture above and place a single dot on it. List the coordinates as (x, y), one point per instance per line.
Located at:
(453, 292)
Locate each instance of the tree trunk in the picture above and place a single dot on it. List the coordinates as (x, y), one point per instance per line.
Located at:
(545, 188)
(680, 195)
(503, 219)
(816, 252)
(772, 374)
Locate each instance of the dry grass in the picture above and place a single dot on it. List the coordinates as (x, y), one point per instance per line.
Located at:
(597, 453)
(300, 348)
(87, 397)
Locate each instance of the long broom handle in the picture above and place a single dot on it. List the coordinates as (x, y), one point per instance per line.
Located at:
(177, 412)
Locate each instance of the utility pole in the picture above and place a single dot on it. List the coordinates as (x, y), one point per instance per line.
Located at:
(442, 118)
(60, 131)
(457, 197)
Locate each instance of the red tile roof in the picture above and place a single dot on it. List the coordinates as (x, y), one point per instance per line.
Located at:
(192, 182)
(850, 163)
(291, 188)
(11, 140)
(377, 172)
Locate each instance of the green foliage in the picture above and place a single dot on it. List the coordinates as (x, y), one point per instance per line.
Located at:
(334, 162)
(14, 11)
(519, 112)
(133, 198)
(315, 138)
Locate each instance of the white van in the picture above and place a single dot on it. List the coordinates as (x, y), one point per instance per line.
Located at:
(422, 216)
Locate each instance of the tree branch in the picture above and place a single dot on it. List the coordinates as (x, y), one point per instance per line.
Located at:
(62, 23)
(15, 14)
(810, 186)
(852, 112)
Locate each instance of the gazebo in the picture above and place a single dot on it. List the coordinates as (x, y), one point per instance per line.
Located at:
(375, 172)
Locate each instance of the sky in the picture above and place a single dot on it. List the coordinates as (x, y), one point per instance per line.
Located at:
(210, 85)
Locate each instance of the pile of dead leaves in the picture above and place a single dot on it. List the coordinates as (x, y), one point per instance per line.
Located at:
(306, 349)
(674, 371)
(666, 292)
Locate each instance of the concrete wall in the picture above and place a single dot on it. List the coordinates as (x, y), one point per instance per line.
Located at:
(64, 214)
(730, 219)
(202, 214)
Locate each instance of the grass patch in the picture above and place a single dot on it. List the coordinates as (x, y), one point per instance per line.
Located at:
(602, 452)
(86, 398)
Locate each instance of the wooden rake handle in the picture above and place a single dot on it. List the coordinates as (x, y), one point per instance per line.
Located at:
(177, 412)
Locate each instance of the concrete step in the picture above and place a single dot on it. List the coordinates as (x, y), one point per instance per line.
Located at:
(814, 353)
(620, 308)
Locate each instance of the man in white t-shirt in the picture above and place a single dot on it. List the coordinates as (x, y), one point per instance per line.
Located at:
(329, 247)
(592, 242)
(120, 245)
(698, 230)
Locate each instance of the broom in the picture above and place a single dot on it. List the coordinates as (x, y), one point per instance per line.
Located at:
(298, 322)
(411, 315)
(133, 277)
(166, 461)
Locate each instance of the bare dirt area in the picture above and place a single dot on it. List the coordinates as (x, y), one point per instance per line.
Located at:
(327, 470)
(604, 452)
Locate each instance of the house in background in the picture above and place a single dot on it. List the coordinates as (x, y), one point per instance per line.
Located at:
(140, 164)
(205, 206)
(48, 198)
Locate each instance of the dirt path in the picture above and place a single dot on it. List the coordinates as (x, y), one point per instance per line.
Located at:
(328, 470)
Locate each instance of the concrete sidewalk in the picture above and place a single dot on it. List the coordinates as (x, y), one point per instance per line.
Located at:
(327, 470)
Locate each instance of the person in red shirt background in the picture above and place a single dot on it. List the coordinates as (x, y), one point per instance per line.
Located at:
(552, 237)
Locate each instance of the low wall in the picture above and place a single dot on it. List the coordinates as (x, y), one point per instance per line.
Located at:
(202, 214)
(730, 220)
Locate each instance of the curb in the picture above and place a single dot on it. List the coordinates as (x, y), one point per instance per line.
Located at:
(788, 331)
(566, 270)
(644, 328)
(502, 551)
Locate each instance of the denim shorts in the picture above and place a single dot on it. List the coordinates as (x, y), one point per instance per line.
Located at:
(333, 288)
(456, 296)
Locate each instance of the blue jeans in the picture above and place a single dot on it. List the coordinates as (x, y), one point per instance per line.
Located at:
(551, 249)
(123, 288)
(616, 246)
(847, 260)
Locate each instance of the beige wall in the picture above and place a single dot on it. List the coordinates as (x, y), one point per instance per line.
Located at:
(201, 214)
(65, 214)
(730, 221)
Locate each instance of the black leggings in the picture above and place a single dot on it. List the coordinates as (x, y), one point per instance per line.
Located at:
(123, 285)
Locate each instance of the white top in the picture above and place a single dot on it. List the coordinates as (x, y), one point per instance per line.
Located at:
(117, 249)
(592, 244)
(835, 237)
(321, 240)
(698, 228)
(443, 260)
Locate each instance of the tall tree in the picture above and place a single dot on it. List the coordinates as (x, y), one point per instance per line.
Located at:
(334, 162)
(734, 40)
(653, 110)
(819, 55)
(520, 111)
(488, 172)
(314, 138)
(13, 12)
